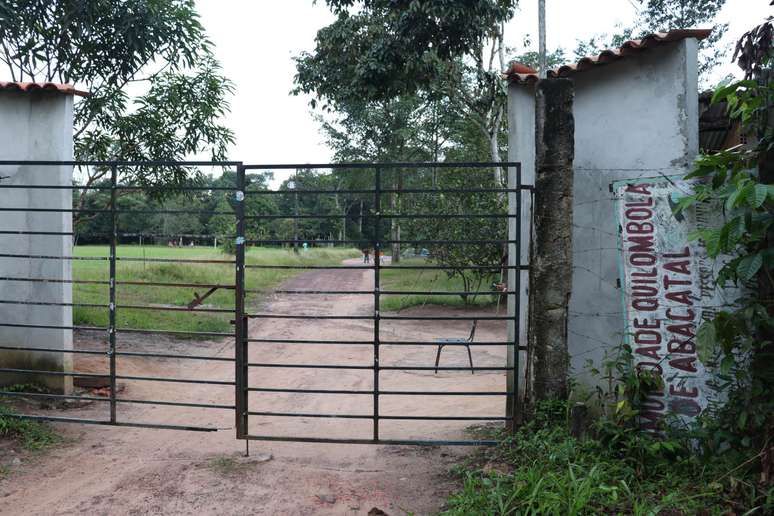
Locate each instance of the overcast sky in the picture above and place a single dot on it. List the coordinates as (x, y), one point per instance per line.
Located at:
(256, 40)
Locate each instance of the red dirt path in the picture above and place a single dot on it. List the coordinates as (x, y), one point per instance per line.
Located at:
(106, 470)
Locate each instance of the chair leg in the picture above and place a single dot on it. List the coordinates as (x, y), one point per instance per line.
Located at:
(438, 357)
(470, 358)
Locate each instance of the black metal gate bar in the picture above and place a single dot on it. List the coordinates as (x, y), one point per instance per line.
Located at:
(377, 266)
(240, 334)
(240, 321)
(377, 243)
(112, 212)
(512, 401)
(112, 290)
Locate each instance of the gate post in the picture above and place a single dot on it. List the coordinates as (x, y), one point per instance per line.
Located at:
(112, 288)
(521, 150)
(513, 411)
(240, 320)
(551, 267)
(37, 125)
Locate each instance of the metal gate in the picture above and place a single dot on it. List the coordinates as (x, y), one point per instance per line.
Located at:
(254, 362)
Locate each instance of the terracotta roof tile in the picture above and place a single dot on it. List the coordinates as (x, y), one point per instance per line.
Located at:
(66, 89)
(521, 74)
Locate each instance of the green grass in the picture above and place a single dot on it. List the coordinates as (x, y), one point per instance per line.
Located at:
(429, 280)
(542, 469)
(31, 434)
(259, 279)
(223, 465)
(227, 466)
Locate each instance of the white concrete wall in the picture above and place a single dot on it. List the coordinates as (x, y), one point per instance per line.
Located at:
(521, 148)
(634, 118)
(637, 117)
(36, 126)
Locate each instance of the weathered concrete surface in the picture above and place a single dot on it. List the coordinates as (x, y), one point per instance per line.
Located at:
(634, 118)
(521, 125)
(551, 272)
(36, 126)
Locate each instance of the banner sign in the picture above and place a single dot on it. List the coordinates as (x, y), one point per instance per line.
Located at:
(669, 290)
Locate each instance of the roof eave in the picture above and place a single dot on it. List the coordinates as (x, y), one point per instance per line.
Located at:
(627, 49)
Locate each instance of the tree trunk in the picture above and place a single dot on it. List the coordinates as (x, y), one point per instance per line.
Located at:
(494, 150)
(342, 229)
(295, 221)
(551, 272)
(395, 223)
(542, 65)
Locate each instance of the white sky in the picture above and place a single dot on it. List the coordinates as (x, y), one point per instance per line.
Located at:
(256, 40)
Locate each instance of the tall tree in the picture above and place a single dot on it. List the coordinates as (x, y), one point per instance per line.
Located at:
(383, 49)
(417, 127)
(661, 16)
(104, 46)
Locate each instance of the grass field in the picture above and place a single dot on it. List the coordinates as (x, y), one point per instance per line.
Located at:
(259, 279)
(223, 274)
(428, 280)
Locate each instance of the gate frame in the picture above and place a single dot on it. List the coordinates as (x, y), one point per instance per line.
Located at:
(514, 191)
(111, 330)
(513, 216)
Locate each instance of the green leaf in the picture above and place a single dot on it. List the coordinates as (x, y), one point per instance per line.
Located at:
(746, 193)
(711, 239)
(732, 200)
(722, 93)
(706, 342)
(736, 230)
(684, 203)
(760, 193)
(723, 242)
(741, 421)
(726, 364)
(749, 266)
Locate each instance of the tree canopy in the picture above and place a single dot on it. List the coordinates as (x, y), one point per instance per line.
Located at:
(380, 49)
(662, 16)
(103, 46)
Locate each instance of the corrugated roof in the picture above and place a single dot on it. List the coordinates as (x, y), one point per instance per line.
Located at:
(66, 89)
(517, 73)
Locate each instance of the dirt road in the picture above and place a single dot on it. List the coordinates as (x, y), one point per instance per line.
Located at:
(104, 470)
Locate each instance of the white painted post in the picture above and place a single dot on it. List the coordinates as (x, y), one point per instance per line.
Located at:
(36, 126)
(521, 148)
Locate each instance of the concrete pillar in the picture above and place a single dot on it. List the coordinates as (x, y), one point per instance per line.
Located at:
(36, 125)
(521, 148)
(551, 272)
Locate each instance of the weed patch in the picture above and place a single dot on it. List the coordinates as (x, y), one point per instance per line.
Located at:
(542, 469)
(31, 434)
(232, 465)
